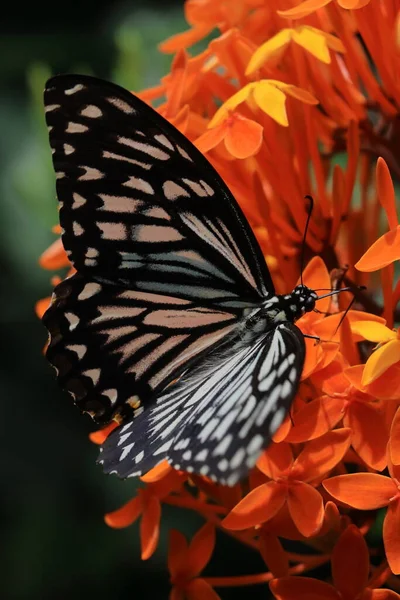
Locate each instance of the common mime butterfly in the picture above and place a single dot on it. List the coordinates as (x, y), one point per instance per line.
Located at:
(170, 325)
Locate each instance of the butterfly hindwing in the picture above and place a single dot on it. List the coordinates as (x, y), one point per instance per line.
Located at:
(112, 346)
(217, 419)
(139, 204)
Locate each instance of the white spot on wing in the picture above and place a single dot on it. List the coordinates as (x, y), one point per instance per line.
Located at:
(76, 127)
(78, 201)
(172, 190)
(144, 147)
(77, 88)
(91, 111)
(89, 290)
(121, 105)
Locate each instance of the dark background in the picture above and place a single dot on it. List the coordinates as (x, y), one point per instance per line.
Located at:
(54, 543)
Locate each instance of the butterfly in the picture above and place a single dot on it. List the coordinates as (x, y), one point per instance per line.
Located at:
(170, 325)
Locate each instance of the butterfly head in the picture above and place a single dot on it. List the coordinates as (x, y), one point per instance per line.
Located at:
(303, 300)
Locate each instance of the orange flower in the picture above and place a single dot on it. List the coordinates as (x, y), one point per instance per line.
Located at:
(186, 562)
(242, 137)
(148, 504)
(290, 482)
(285, 109)
(309, 6)
(369, 491)
(350, 570)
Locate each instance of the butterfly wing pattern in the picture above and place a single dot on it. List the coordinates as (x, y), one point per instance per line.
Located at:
(170, 325)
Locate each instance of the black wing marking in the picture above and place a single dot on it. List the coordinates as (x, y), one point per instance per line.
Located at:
(112, 346)
(220, 415)
(140, 205)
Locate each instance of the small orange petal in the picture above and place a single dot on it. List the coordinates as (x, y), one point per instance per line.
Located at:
(200, 549)
(54, 257)
(303, 10)
(383, 252)
(306, 508)
(177, 552)
(365, 491)
(211, 138)
(369, 434)
(150, 526)
(316, 276)
(275, 459)
(158, 472)
(273, 553)
(258, 506)
(315, 419)
(199, 589)
(394, 441)
(243, 138)
(185, 39)
(322, 454)
(41, 306)
(126, 515)
(385, 189)
(380, 361)
(350, 563)
(391, 536)
(372, 331)
(302, 588)
(100, 436)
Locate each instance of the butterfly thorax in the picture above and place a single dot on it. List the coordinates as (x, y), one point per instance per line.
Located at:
(290, 307)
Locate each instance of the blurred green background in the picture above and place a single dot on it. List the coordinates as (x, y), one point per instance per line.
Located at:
(54, 542)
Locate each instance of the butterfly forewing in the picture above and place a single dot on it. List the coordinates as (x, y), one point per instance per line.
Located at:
(140, 205)
(225, 411)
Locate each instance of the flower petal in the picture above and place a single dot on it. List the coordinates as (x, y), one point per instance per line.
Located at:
(271, 100)
(391, 536)
(365, 491)
(158, 472)
(177, 553)
(380, 361)
(313, 41)
(275, 459)
(100, 436)
(321, 455)
(243, 138)
(273, 553)
(373, 331)
(306, 508)
(260, 505)
(211, 138)
(350, 563)
(200, 549)
(42, 305)
(198, 589)
(303, 10)
(394, 440)
(267, 50)
(150, 526)
(302, 588)
(385, 188)
(126, 515)
(315, 419)
(54, 257)
(383, 252)
(369, 434)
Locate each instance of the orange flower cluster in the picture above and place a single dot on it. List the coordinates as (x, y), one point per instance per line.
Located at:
(293, 98)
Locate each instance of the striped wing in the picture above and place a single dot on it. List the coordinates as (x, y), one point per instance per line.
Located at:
(220, 415)
(166, 260)
(113, 346)
(140, 205)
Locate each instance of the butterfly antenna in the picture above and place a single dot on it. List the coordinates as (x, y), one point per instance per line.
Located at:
(303, 244)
